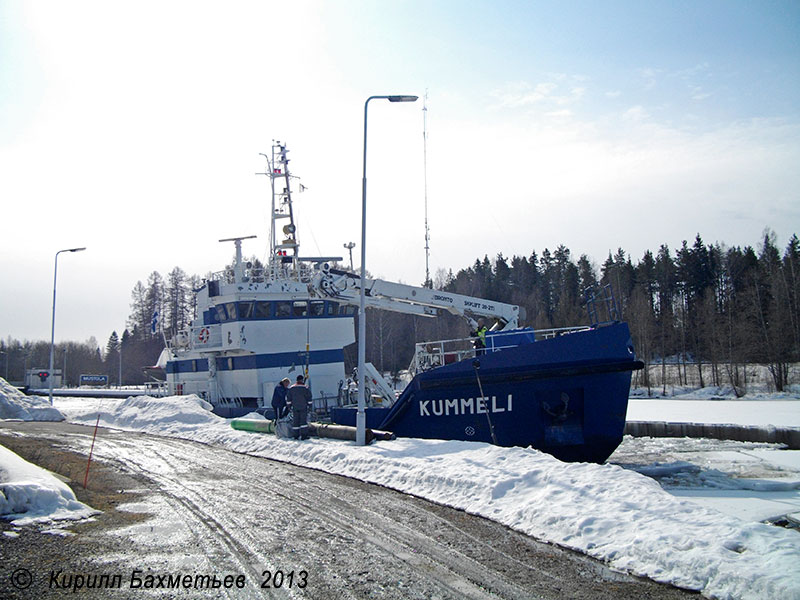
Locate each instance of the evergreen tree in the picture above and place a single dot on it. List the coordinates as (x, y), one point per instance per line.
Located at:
(772, 309)
(139, 320)
(112, 356)
(154, 303)
(791, 282)
(501, 283)
(587, 274)
(178, 306)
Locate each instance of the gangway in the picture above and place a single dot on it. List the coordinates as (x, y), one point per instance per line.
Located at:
(378, 384)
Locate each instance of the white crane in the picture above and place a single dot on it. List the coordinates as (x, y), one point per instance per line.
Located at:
(409, 299)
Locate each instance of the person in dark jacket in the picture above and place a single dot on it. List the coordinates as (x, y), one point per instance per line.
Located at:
(279, 398)
(299, 396)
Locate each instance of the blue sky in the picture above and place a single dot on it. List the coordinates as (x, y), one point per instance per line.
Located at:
(134, 129)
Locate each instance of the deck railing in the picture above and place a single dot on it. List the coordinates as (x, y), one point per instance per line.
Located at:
(430, 355)
(303, 272)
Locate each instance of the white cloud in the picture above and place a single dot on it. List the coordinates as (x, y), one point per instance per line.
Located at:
(635, 113)
(559, 113)
(649, 77)
(521, 94)
(702, 68)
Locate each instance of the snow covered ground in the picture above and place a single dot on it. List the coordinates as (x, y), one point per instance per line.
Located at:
(778, 413)
(748, 480)
(29, 494)
(751, 481)
(616, 514)
(718, 405)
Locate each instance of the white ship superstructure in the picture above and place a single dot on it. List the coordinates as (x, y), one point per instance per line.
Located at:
(255, 326)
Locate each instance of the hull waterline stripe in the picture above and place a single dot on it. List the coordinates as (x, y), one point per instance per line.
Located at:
(258, 361)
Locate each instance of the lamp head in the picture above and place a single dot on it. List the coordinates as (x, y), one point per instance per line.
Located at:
(402, 98)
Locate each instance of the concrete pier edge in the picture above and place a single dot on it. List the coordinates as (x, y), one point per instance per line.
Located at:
(789, 436)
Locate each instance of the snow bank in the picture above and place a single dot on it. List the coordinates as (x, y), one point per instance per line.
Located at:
(165, 416)
(764, 413)
(29, 494)
(16, 405)
(615, 515)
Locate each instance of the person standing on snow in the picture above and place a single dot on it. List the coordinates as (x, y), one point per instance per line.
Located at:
(279, 398)
(299, 396)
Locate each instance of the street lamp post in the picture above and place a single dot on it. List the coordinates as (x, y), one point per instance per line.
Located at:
(361, 415)
(53, 321)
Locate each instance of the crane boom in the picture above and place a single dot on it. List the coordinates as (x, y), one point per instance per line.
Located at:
(409, 299)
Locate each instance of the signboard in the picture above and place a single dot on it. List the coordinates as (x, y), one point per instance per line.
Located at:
(94, 379)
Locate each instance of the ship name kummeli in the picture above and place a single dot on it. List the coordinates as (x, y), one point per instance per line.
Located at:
(464, 406)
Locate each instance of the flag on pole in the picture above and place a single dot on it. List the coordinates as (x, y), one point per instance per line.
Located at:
(154, 323)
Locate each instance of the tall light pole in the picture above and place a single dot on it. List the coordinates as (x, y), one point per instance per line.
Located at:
(361, 415)
(53, 321)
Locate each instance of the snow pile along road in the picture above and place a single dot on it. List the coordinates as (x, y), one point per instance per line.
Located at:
(165, 416)
(16, 405)
(612, 514)
(29, 494)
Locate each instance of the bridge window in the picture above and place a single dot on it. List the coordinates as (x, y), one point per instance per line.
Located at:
(263, 310)
(221, 316)
(283, 309)
(300, 308)
(347, 310)
(317, 308)
(333, 308)
(246, 310)
(231, 307)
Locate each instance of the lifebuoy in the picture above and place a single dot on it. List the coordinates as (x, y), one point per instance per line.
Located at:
(204, 335)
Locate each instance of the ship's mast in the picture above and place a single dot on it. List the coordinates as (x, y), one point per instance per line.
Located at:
(281, 208)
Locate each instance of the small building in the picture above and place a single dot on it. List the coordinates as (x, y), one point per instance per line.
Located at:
(39, 378)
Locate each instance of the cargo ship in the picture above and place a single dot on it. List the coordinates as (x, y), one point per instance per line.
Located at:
(563, 391)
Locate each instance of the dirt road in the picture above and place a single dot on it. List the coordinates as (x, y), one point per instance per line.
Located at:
(198, 516)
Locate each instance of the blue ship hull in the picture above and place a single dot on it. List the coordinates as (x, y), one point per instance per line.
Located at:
(566, 396)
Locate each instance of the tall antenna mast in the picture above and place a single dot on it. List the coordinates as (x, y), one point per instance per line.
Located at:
(428, 282)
